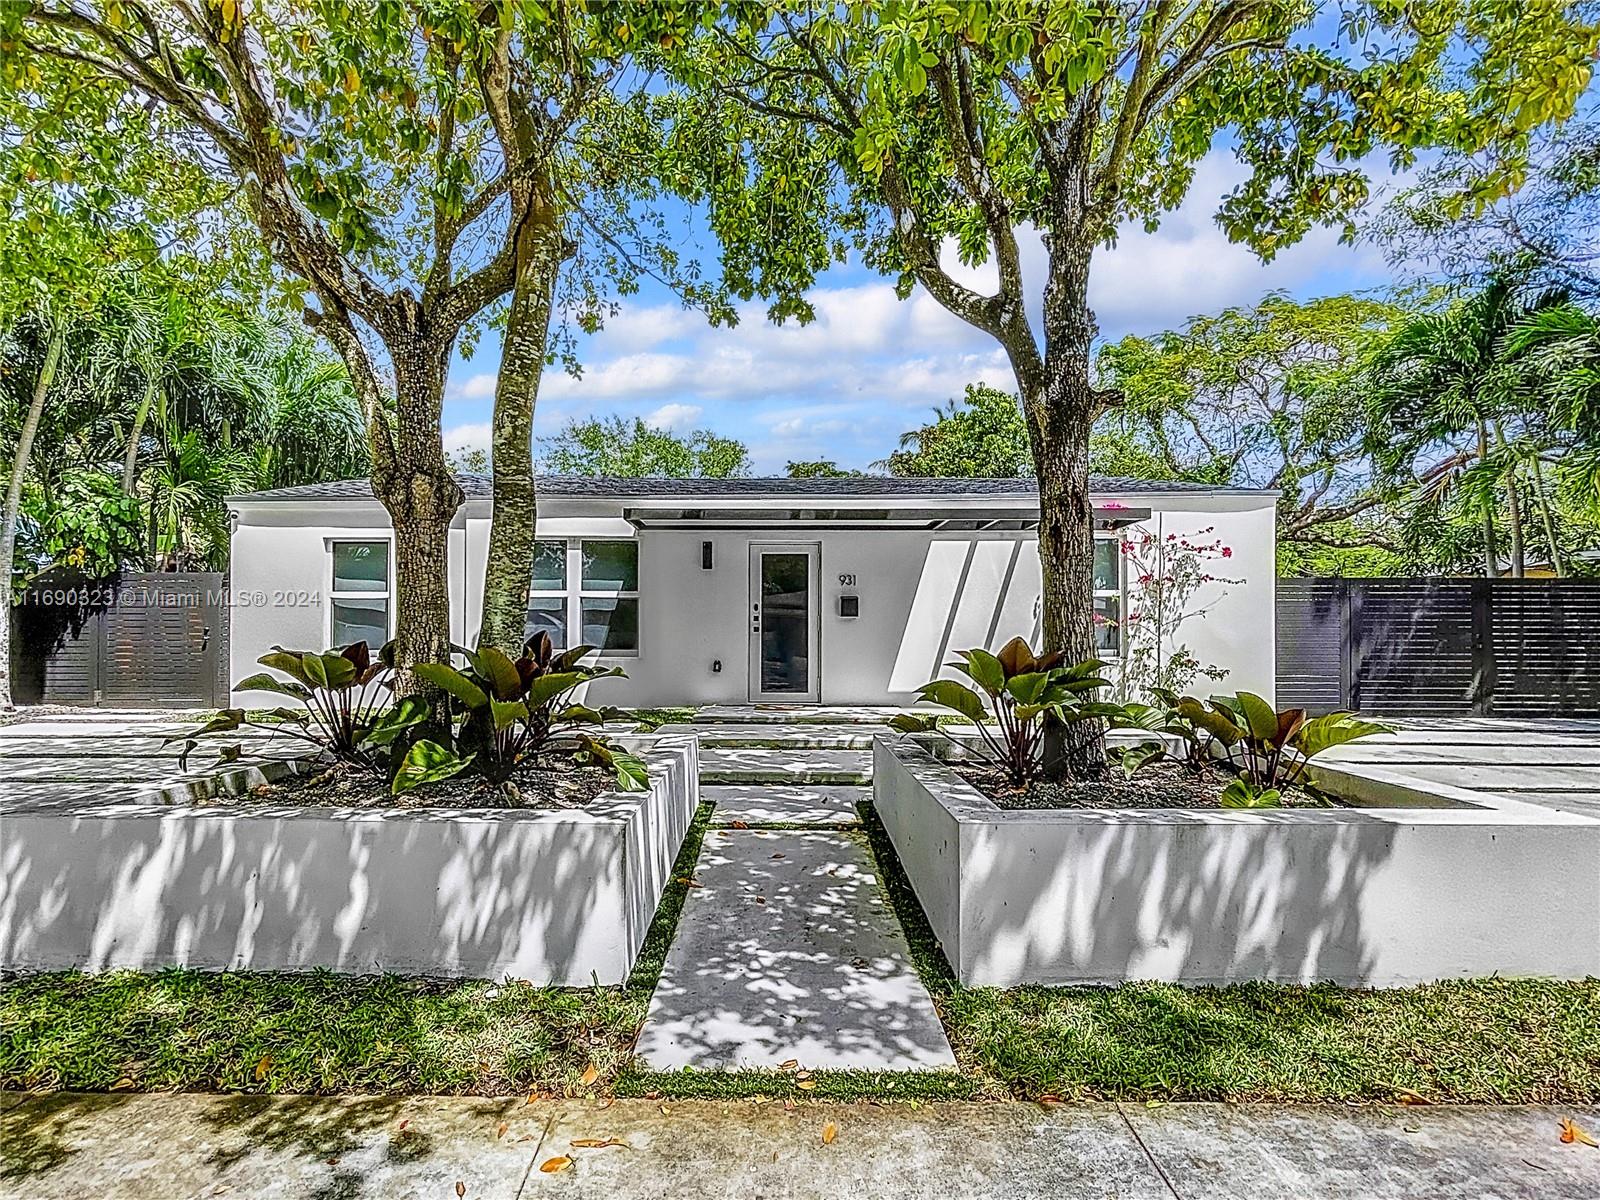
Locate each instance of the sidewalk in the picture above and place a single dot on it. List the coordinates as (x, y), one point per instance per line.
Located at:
(66, 1146)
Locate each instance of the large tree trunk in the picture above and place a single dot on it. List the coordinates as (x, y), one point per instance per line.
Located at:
(421, 497)
(509, 568)
(19, 468)
(1062, 405)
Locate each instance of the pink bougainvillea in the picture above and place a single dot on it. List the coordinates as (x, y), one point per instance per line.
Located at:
(1167, 572)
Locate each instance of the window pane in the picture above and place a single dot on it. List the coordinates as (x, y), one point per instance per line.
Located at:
(611, 566)
(361, 566)
(550, 567)
(1108, 623)
(611, 624)
(547, 614)
(361, 621)
(1107, 563)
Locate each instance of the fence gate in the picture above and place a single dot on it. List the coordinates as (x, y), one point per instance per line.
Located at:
(1440, 647)
(149, 639)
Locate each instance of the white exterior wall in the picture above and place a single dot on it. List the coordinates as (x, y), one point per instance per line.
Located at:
(924, 594)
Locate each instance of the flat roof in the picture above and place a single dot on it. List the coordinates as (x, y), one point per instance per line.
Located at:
(599, 487)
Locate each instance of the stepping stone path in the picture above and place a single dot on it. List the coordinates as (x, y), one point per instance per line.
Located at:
(788, 952)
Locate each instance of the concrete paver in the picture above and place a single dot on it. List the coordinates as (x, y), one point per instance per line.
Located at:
(795, 714)
(155, 1147)
(811, 736)
(1281, 1152)
(778, 804)
(788, 949)
(1553, 762)
(785, 766)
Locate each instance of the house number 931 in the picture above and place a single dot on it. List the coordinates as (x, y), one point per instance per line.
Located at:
(847, 581)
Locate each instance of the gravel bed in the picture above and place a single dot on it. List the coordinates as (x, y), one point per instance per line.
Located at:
(1158, 785)
(552, 782)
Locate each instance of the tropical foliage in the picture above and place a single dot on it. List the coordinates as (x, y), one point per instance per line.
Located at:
(619, 448)
(982, 435)
(507, 711)
(1268, 748)
(345, 709)
(1018, 692)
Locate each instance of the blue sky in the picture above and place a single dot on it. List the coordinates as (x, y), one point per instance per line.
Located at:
(872, 366)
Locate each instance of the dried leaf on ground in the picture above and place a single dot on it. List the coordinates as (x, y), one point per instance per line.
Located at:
(551, 1166)
(598, 1143)
(829, 1132)
(263, 1065)
(500, 1129)
(1572, 1132)
(590, 1074)
(1407, 1096)
(461, 1188)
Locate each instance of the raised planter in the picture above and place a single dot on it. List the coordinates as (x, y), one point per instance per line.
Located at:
(1375, 897)
(560, 897)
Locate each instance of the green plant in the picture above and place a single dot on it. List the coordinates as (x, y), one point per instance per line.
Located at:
(343, 710)
(1023, 691)
(1240, 792)
(1270, 749)
(506, 711)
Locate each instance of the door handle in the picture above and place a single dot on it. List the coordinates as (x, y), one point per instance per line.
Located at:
(205, 638)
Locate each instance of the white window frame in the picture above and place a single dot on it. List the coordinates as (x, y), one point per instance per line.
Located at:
(335, 596)
(575, 593)
(1120, 592)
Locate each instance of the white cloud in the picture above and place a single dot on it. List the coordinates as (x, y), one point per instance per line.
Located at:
(479, 386)
(475, 435)
(673, 416)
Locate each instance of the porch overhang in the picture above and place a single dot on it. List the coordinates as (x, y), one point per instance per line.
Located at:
(964, 519)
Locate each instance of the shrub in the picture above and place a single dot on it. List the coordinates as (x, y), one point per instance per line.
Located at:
(1023, 691)
(344, 709)
(505, 711)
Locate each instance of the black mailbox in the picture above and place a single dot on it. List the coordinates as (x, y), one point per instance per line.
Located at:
(849, 606)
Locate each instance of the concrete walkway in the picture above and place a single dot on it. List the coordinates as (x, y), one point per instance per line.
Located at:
(125, 757)
(1552, 762)
(788, 949)
(157, 1147)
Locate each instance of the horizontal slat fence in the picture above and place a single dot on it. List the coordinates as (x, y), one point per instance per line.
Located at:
(1440, 647)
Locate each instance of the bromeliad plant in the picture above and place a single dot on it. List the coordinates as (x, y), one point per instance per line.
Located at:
(1022, 691)
(344, 710)
(504, 711)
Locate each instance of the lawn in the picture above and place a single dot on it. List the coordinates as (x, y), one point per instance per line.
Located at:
(1491, 1041)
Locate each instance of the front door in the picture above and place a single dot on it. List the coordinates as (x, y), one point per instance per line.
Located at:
(784, 659)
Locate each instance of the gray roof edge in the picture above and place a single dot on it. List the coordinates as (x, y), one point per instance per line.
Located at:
(478, 487)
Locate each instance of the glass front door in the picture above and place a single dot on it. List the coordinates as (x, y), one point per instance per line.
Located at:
(783, 623)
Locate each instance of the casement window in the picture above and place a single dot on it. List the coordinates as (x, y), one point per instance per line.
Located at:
(361, 593)
(586, 592)
(1108, 597)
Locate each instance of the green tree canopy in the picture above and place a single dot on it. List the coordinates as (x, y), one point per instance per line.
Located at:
(1262, 396)
(907, 126)
(980, 436)
(1547, 231)
(819, 468)
(619, 448)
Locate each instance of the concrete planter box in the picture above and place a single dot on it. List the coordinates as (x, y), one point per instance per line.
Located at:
(554, 897)
(1431, 887)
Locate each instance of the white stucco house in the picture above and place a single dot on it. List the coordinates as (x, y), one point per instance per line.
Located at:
(835, 591)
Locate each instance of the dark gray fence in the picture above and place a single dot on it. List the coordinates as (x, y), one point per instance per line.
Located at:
(1440, 647)
(156, 639)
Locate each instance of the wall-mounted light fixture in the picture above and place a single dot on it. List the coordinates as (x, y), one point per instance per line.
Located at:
(705, 556)
(849, 606)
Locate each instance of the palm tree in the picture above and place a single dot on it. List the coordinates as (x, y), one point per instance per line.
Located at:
(1445, 387)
